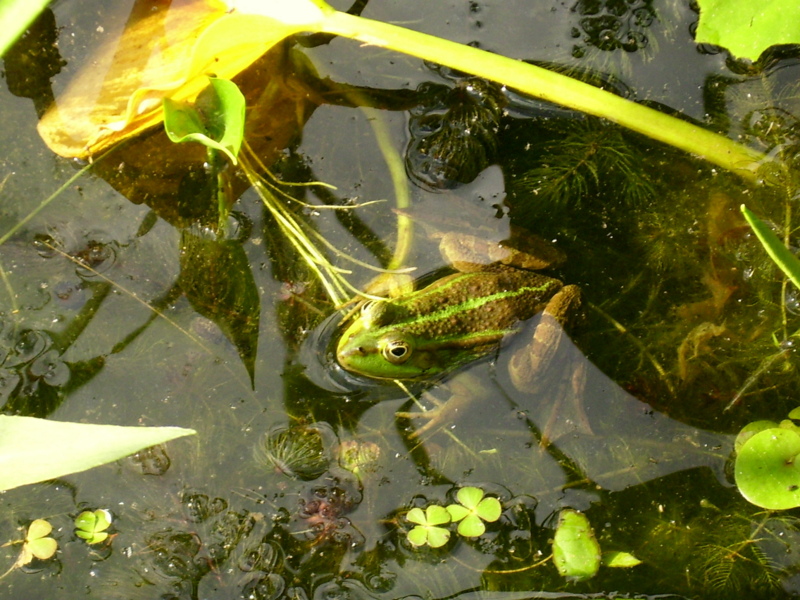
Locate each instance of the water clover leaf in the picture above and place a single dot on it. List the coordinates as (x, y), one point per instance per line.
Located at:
(576, 552)
(767, 471)
(91, 526)
(474, 509)
(38, 544)
(747, 28)
(215, 119)
(427, 530)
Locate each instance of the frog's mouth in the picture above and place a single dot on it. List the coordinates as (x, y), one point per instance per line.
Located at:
(317, 355)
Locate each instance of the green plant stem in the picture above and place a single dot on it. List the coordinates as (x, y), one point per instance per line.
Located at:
(552, 87)
(15, 17)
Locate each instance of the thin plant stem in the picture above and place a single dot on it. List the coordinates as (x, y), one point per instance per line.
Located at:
(552, 87)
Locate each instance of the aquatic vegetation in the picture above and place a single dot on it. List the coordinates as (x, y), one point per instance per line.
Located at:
(454, 132)
(33, 450)
(473, 510)
(297, 452)
(685, 311)
(92, 525)
(428, 528)
(744, 29)
(576, 552)
(37, 544)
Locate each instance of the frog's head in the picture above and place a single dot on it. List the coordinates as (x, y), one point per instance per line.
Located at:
(372, 347)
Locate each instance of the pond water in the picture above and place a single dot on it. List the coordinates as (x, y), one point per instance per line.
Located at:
(122, 304)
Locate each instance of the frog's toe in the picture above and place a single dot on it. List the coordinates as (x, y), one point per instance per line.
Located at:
(441, 414)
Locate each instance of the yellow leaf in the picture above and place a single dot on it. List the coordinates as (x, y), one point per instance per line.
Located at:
(164, 51)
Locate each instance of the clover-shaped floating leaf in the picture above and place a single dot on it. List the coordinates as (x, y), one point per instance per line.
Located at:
(38, 544)
(427, 530)
(576, 552)
(474, 509)
(767, 470)
(91, 526)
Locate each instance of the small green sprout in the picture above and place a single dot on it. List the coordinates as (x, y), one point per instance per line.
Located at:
(91, 526)
(474, 509)
(427, 529)
(37, 544)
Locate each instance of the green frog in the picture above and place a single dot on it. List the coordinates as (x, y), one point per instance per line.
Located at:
(427, 333)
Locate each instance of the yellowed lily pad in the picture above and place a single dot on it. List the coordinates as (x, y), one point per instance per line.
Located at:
(165, 51)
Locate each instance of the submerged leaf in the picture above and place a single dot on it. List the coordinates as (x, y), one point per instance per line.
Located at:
(776, 249)
(33, 450)
(217, 280)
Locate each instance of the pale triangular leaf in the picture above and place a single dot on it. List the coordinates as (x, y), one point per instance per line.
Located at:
(33, 450)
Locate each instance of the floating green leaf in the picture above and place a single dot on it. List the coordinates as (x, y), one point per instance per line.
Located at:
(767, 470)
(747, 28)
(750, 430)
(776, 249)
(576, 552)
(427, 529)
(622, 560)
(33, 450)
(38, 544)
(473, 511)
(215, 119)
(91, 526)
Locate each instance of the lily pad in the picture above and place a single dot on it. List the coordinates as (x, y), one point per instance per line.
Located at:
(767, 470)
(747, 28)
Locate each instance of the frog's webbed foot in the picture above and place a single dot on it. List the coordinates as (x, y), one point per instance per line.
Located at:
(464, 389)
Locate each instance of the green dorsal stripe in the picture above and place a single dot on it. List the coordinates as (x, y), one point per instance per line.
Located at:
(475, 303)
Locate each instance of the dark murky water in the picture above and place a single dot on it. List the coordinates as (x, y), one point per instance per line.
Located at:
(119, 305)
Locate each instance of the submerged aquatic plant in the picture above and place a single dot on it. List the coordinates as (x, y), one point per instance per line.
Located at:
(297, 452)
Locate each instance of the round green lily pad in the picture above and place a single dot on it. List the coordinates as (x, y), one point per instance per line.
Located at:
(767, 470)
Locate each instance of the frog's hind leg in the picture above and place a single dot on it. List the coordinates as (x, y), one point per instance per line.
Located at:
(549, 365)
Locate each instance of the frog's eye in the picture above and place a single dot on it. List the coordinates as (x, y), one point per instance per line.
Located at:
(396, 351)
